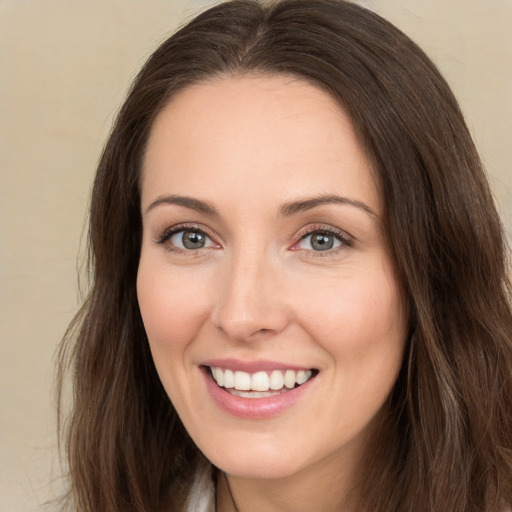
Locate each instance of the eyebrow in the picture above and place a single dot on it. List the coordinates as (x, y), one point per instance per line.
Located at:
(187, 202)
(294, 207)
(287, 209)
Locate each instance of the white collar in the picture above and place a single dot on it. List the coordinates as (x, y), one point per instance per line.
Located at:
(201, 497)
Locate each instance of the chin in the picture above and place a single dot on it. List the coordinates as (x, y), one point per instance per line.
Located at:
(256, 460)
(258, 469)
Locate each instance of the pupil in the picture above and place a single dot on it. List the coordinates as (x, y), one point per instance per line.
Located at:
(321, 242)
(193, 240)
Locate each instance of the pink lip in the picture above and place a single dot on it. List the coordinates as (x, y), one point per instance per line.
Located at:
(253, 408)
(251, 366)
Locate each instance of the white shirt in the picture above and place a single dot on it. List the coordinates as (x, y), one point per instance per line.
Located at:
(201, 497)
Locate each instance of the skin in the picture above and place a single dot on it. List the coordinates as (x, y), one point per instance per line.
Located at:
(259, 290)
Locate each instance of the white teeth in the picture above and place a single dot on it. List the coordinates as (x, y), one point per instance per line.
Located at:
(302, 376)
(289, 379)
(254, 394)
(260, 381)
(242, 381)
(276, 380)
(229, 379)
(258, 384)
(218, 375)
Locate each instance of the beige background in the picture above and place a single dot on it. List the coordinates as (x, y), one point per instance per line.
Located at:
(65, 66)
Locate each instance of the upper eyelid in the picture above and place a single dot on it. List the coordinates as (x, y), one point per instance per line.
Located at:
(168, 232)
(347, 240)
(321, 228)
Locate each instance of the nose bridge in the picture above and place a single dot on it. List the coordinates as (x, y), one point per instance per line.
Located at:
(249, 302)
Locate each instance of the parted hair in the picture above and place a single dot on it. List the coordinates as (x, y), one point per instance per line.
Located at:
(446, 441)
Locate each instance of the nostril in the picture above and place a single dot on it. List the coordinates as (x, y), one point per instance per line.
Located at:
(248, 308)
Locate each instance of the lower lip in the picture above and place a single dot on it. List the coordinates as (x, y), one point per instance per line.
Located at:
(253, 408)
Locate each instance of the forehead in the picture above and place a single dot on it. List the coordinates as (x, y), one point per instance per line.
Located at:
(252, 133)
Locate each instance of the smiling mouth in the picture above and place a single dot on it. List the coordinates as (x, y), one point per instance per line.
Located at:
(260, 384)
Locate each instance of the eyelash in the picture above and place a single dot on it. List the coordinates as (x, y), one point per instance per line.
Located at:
(173, 230)
(344, 239)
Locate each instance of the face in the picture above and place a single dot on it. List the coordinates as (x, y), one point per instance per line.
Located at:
(268, 296)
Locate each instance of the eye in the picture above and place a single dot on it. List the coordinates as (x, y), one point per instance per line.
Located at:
(323, 240)
(190, 240)
(186, 239)
(319, 242)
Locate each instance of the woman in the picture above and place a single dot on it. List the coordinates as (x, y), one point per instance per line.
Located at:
(299, 296)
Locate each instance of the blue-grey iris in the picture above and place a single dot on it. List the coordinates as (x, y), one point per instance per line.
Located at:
(322, 242)
(193, 240)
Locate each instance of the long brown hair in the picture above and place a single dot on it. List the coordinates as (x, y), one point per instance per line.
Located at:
(447, 440)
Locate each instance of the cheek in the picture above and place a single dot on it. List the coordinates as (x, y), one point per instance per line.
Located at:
(171, 307)
(354, 313)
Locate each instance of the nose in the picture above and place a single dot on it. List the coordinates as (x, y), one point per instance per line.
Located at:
(251, 302)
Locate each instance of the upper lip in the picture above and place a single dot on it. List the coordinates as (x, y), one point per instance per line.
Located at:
(252, 366)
